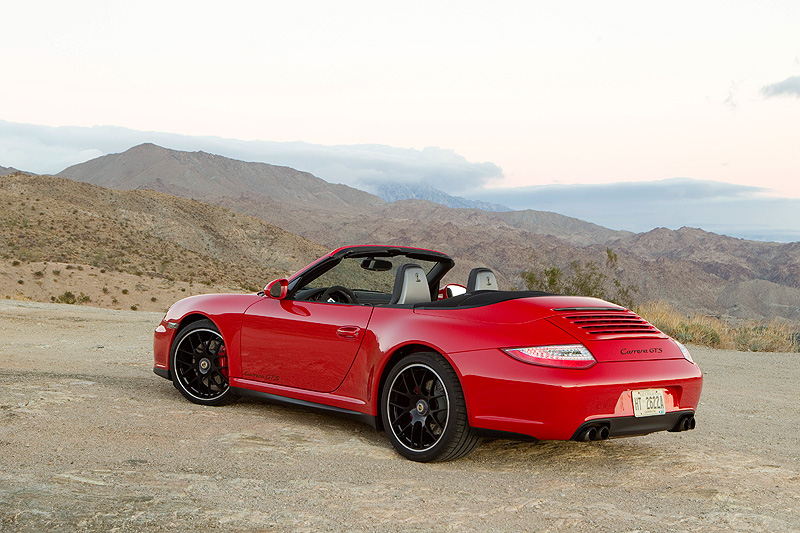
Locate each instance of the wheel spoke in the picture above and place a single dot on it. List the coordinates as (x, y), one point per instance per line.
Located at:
(432, 420)
(429, 432)
(409, 390)
(418, 376)
(405, 428)
(191, 343)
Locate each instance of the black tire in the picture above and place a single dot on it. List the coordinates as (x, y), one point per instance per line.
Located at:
(199, 364)
(423, 410)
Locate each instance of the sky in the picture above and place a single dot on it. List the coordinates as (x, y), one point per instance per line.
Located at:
(496, 100)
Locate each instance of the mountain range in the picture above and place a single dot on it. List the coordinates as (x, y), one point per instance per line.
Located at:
(696, 271)
(4, 171)
(395, 191)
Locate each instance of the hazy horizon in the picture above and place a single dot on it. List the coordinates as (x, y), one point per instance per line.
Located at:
(739, 211)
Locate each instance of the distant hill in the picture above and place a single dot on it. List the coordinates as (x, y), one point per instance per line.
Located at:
(144, 234)
(692, 269)
(206, 177)
(734, 260)
(4, 171)
(393, 192)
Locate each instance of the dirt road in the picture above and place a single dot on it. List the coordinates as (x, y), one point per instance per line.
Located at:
(91, 439)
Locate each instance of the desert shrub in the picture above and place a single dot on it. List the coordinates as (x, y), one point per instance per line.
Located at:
(588, 279)
(716, 333)
(56, 272)
(38, 274)
(15, 263)
(134, 307)
(771, 337)
(66, 298)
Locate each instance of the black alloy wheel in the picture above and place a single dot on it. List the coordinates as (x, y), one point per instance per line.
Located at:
(423, 410)
(200, 364)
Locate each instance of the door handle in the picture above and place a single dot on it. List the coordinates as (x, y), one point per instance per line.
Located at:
(348, 333)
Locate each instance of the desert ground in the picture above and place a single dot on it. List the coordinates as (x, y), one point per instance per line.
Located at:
(91, 439)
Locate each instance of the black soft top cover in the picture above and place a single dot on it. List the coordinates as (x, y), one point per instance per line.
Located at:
(479, 299)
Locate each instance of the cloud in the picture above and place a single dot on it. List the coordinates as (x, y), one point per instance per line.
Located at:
(48, 150)
(631, 193)
(788, 87)
(732, 101)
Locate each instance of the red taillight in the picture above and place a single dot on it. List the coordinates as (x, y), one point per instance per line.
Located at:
(562, 356)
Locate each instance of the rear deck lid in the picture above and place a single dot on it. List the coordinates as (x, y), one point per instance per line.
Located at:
(615, 333)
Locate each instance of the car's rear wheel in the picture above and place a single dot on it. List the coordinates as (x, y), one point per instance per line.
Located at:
(423, 410)
(200, 364)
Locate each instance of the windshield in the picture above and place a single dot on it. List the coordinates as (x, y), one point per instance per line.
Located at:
(366, 274)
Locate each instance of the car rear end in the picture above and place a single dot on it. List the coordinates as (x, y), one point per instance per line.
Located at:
(606, 373)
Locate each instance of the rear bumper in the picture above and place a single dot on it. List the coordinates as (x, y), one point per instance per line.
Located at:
(505, 395)
(628, 426)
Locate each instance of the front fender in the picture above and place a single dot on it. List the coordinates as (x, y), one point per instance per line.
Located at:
(225, 310)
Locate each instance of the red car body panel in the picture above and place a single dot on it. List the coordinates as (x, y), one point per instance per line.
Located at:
(336, 355)
(307, 345)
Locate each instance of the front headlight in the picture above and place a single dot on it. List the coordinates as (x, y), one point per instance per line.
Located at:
(684, 351)
(561, 356)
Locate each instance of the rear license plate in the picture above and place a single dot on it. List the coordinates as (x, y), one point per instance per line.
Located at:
(649, 402)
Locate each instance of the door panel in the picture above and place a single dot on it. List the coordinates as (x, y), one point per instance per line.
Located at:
(308, 345)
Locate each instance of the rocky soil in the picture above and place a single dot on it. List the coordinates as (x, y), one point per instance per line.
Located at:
(91, 439)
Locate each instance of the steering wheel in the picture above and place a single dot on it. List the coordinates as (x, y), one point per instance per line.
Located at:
(339, 294)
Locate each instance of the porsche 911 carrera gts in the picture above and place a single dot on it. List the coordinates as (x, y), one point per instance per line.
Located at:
(370, 332)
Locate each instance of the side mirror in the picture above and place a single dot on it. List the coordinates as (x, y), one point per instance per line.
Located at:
(455, 289)
(452, 289)
(277, 289)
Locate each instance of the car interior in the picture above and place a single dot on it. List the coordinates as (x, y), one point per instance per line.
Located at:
(393, 281)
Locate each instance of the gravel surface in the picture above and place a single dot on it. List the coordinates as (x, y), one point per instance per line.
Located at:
(91, 439)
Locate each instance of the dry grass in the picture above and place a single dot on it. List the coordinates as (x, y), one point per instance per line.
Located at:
(774, 336)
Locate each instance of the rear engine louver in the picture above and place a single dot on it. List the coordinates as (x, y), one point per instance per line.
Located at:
(608, 323)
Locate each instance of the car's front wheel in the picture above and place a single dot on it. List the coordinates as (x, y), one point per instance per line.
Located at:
(423, 410)
(200, 364)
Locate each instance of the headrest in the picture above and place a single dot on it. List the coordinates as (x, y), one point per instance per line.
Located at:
(481, 279)
(410, 285)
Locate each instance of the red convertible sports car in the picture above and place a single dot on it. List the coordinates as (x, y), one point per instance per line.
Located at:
(367, 331)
